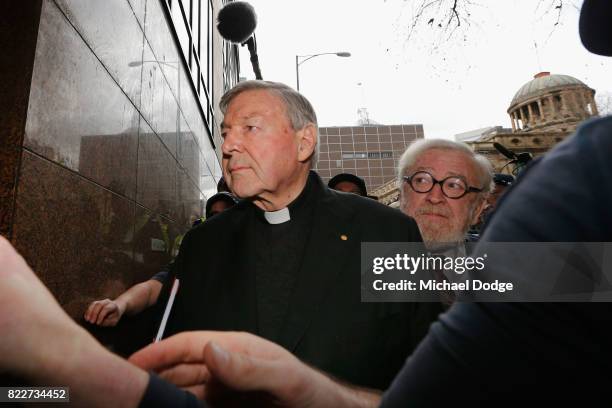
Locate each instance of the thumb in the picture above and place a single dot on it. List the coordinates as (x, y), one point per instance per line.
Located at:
(241, 372)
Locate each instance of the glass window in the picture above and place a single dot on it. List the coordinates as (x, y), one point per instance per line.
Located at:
(195, 25)
(205, 30)
(181, 28)
(195, 70)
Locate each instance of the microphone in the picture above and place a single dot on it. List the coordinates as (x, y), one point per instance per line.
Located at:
(236, 23)
(502, 149)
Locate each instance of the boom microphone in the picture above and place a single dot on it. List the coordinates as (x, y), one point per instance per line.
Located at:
(236, 21)
(502, 149)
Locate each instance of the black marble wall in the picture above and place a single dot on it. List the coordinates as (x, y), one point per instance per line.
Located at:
(106, 158)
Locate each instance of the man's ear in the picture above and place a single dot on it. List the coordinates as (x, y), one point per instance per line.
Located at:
(307, 140)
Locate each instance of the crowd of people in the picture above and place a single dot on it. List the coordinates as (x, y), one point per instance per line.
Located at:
(276, 318)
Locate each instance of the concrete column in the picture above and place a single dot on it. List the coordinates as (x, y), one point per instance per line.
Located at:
(542, 116)
(512, 122)
(520, 111)
(530, 110)
(564, 107)
(553, 110)
(594, 105)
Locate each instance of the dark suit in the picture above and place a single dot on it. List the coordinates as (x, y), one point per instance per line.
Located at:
(327, 325)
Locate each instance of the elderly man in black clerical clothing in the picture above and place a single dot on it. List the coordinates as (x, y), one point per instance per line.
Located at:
(284, 263)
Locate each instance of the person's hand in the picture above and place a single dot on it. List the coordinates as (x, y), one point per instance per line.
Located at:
(41, 344)
(239, 369)
(28, 315)
(104, 312)
(229, 369)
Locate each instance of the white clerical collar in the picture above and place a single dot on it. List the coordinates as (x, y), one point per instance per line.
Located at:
(277, 217)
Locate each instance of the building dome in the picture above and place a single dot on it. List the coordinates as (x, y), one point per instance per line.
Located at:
(551, 102)
(544, 82)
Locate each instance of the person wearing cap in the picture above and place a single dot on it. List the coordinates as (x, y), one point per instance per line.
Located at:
(287, 264)
(348, 183)
(108, 312)
(219, 202)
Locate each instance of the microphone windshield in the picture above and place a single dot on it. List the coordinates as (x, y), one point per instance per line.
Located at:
(236, 21)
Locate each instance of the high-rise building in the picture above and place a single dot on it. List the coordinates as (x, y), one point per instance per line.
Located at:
(370, 152)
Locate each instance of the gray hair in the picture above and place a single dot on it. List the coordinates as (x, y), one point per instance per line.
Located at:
(483, 167)
(299, 110)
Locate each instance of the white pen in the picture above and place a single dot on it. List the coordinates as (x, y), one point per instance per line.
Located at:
(162, 326)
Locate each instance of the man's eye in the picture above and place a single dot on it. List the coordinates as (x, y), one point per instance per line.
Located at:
(421, 180)
(455, 184)
(251, 128)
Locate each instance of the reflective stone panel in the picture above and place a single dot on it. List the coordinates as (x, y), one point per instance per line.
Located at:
(156, 188)
(111, 30)
(158, 105)
(76, 235)
(78, 116)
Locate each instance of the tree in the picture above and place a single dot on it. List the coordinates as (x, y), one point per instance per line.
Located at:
(453, 17)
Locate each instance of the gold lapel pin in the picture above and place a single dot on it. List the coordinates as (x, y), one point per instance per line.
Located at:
(343, 237)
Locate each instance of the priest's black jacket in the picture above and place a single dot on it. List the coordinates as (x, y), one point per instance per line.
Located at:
(326, 324)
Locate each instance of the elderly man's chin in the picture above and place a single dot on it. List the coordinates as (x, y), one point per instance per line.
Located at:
(433, 235)
(245, 187)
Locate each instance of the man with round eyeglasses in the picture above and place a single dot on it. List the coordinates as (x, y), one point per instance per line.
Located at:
(443, 186)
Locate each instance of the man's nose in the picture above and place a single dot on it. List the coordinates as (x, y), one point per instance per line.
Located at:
(435, 195)
(231, 142)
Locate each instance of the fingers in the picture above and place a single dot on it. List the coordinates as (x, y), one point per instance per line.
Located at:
(100, 310)
(182, 348)
(109, 314)
(186, 375)
(242, 372)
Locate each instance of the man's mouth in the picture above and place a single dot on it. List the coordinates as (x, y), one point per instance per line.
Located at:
(430, 214)
(235, 169)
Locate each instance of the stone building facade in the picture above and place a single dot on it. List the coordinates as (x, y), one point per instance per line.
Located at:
(543, 112)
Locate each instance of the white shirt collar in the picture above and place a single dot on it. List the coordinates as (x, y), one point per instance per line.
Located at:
(277, 217)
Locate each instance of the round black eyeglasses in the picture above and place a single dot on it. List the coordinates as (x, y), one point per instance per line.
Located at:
(452, 187)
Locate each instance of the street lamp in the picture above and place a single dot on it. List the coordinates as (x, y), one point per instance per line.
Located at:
(307, 57)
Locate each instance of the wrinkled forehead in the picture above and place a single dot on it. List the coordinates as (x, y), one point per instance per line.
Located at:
(257, 102)
(442, 163)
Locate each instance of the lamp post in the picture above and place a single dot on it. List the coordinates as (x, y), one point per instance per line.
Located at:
(134, 64)
(307, 57)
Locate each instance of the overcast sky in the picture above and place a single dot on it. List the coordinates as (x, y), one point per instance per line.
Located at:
(449, 85)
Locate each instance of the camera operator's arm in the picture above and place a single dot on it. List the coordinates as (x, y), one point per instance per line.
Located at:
(108, 312)
(229, 368)
(44, 346)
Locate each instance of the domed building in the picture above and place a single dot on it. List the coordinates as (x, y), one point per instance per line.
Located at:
(543, 112)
